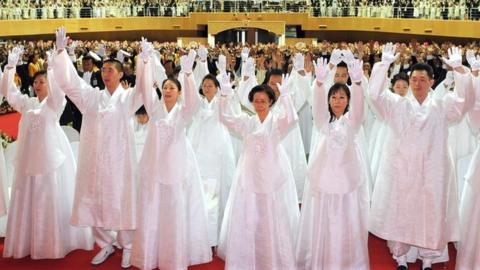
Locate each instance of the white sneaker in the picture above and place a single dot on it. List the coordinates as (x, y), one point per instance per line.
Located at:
(126, 258)
(103, 254)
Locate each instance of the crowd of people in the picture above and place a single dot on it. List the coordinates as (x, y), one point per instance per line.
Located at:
(226, 134)
(50, 9)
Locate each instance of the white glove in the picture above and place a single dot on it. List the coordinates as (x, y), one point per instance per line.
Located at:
(355, 71)
(186, 62)
(202, 53)
(299, 62)
(244, 54)
(321, 70)
(72, 47)
(221, 64)
(101, 50)
(454, 57)
(336, 57)
(388, 53)
(348, 56)
(146, 50)
(284, 87)
(449, 78)
(14, 56)
(473, 61)
(248, 68)
(120, 56)
(225, 85)
(61, 38)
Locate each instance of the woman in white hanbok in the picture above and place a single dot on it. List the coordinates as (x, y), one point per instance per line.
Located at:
(171, 231)
(468, 255)
(213, 148)
(333, 230)
(43, 189)
(261, 217)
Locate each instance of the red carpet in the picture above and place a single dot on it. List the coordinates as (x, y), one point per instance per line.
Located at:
(380, 259)
(9, 123)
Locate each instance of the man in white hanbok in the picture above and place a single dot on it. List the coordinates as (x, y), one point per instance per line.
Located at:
(414, 202)
(105, 191)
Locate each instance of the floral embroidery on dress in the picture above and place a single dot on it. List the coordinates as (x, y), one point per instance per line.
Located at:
(337, 134)
(165, 131)
(35, 122)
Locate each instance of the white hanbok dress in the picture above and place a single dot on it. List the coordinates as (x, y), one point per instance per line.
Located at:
(171, 229)
(105, 193)
(212, 144)
(468, 255)
(43, 189)
(261, 218)
(415, 198)
(333, 231)
(3, 175)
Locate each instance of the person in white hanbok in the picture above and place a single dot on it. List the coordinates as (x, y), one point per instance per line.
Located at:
(42, 193)
(213, 148)
(3, 175)
(171, 229)
(261, 218)
(105, 194)
(415, 200)
(468, 254)
(333, 231)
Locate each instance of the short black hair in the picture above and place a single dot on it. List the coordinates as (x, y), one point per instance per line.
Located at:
(272, 72)
(38, 74)
(211, 78)
(422, 67)
(88, 57)
(402, 76)
(263, 88)
(118, 65)
(342, 64)
(142, 110)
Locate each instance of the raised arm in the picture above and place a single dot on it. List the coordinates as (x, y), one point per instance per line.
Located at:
(192, 98)
(299, 81)
(356, 113)
(247, 82)
(462, 98)
(236, 122)
(56, 98)
(201, 69)
(8, 88)
(287, 120)
(145, 77)
(65, 75)
(474, 114)
(383, 101)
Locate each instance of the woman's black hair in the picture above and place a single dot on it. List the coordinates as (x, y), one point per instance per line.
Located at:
(172, 79)
(333, 90)
(272, 72)
(402, 76)
(263, 88)
(38, 74)
(213, 79)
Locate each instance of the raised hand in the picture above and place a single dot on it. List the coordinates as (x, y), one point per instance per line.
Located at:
(454, 57)
(355, 71)
(61, 38)
(146, 49)
(336, 57)
(348, 56)
(14, 56)
(221, 64)
(50, 57)
(102, 50)
(299, 62)
(321, 70)
(284, 87)
(473, 61)
(120, 56)
(202, 53)
(186, 62)
(72, 47)
(388, 53)
(248, 68)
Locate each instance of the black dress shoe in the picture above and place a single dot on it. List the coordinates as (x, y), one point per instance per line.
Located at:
(402, 267)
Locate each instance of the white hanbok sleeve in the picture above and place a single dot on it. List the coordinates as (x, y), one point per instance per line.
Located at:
(357, 107)
(15, 98)
(458, 102)
(200, 71)
(80, 93)
(301, 86)
(192, 98)
(237, 122)
(244, 88)
(474, 114)
(56, 97)
(144, 85)
(319, 106)
(287, 120)
(383, 101)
